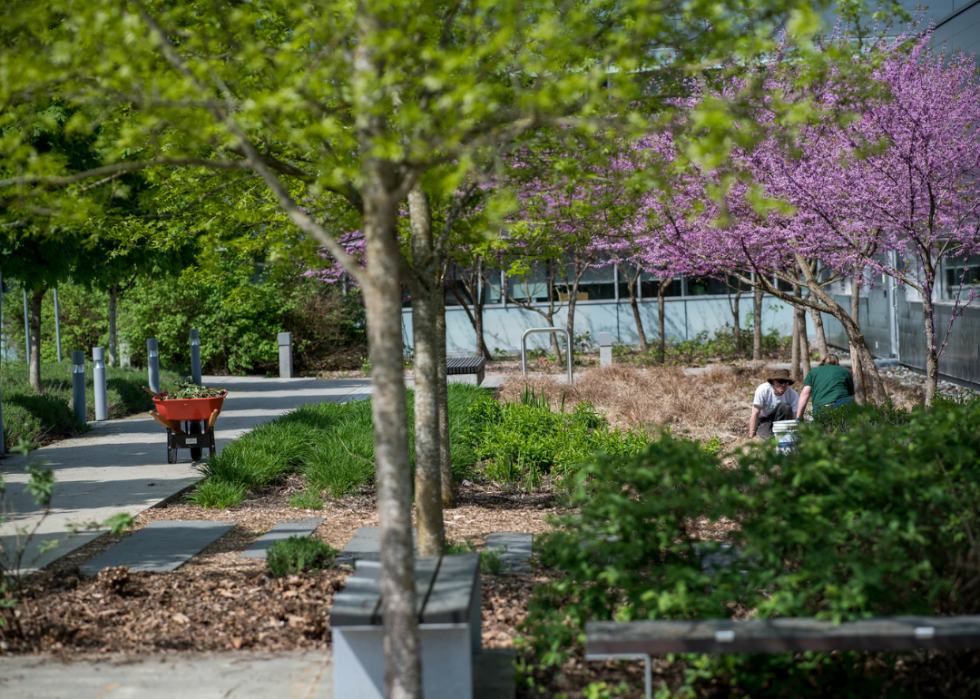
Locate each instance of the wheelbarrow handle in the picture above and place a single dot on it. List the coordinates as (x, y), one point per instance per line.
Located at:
(153, 393)
(213, 419)
(169, 424)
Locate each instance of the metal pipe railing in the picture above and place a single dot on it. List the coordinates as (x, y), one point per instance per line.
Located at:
(568, 348)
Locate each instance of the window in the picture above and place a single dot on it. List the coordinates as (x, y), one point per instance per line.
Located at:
(650, 283)
(532, 288)
(625, 269)
(597, 283)
(705, 286)
(960, 276)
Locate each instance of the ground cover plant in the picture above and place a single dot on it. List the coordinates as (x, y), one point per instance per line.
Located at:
(875, 519)
(299, 554)
(330, 444)
(526, 440)
(40, 419)
(704, 347)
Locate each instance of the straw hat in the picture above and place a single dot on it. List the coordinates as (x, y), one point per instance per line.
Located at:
(780, 374)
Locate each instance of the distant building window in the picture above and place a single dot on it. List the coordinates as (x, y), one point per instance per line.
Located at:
(961, 275)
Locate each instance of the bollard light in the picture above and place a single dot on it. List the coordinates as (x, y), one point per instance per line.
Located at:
(153, 364)
(196, 356)
(285, 355)
(78, 385)
(98, 378)
(605, 349)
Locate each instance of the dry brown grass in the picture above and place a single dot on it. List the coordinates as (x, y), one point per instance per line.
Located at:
(716, 403)
(713, 404)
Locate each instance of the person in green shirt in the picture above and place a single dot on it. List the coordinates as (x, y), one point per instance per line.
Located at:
(830, 385)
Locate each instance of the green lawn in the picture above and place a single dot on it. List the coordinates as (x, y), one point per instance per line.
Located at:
(49, 417)
(331, 444)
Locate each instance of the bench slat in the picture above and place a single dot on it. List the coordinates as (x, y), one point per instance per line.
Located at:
(452, 595)
(781, 635)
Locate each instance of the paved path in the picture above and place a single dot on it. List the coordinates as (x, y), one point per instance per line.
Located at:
(235, 675)
(121, 465)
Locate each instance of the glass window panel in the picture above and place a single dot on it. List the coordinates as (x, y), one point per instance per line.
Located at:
(597, 283)
(650, 283)
(960, 276)
(705, 286)
(532, 288)
(624, 289)
(491, 286)
(783, 285)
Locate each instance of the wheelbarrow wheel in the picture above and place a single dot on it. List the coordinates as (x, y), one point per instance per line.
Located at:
(196, 427)
(171, 450)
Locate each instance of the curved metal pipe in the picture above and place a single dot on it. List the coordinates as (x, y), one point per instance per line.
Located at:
(568, 348)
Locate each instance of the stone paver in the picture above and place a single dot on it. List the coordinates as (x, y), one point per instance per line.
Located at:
(159, 547)
(120, 466)
(515, 550)
(365, 545)
(281, 532)
(238, 675)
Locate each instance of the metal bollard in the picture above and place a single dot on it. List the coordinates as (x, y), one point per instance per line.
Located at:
(153, 364)
(78, 385)
(196, 356)
(605, 349)
(285, 355)
(98, 378)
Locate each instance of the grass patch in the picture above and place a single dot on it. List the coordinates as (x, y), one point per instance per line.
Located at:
(331, 444)
(299, 554)
(306, 500)
(44, 418)
(490, 563)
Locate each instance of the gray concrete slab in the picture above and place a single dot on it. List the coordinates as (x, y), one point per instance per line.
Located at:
(238, 675)
(159, 547)
(120, 466)
(281, 532)
(515, 550)
(242, 675)
(365, 545)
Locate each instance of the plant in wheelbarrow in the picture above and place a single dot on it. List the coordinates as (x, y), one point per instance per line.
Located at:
(189, 413)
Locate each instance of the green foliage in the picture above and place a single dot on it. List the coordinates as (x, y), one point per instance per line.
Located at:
(875, 520)
(184, 390)
(306, 499)
(299, 554)
(490, 563)
(41, 419)
(240, 314)
(526, 440)
(331, 444)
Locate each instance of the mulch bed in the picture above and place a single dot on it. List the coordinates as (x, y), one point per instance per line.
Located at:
(219, 601)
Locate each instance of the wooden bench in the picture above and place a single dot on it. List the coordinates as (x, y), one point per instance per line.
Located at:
(642, 639)
(466, 365)
(449, 611)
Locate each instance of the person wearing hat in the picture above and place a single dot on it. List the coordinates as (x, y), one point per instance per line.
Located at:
(830, 384)
(773, 400)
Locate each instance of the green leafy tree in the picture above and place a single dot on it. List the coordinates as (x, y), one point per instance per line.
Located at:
(329, 101)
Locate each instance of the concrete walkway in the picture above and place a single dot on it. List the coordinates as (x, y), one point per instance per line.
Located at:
(232, 674)
(120, 466)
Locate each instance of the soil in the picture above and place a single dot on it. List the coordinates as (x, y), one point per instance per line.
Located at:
(219, 601)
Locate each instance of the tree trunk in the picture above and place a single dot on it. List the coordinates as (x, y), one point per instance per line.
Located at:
(661, 323)
(635, 307)
(35, 340)
(428, 470)
(819, 332)
(479, 299)
(757, 325)
(932, 353)
(802, 337)
(856, 369)
(551, 311)
(448, 487)
(382, 300)
(794, 362)
(113, 341)
(736, 326)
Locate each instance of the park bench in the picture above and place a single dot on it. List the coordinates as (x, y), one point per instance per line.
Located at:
(449, 612)
(466, 365)
(642, 639)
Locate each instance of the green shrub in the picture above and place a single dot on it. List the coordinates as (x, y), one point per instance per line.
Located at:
(331, 444)
(41, 419)
(523, 441)
(306, 499)
(299, 554)
(872, 521)
(217, 494)
(490, 563)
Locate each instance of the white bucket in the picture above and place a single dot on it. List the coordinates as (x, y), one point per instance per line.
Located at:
(784, 432)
